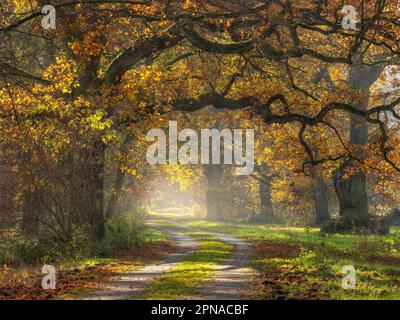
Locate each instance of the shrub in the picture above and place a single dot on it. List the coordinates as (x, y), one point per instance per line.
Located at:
(47, 248)
(376, 225)
(6, 255)
(124, 232)
(29, 250)
(337, 225)
(393, 217)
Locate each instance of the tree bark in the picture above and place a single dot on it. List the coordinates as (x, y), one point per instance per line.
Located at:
(352, 196)
(118, 182)
(265, 189)
(115, 194)
(213, 196)
(267, 209)
(321, 201)
(352, 192)
(96, 190)
(30, 224)
(264, 179)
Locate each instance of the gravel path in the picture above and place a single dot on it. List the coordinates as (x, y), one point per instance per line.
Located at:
(232, 278)
(126, 285)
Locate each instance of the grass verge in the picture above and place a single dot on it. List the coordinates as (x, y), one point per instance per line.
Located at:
(78, 278)
(185, 278)
(298, 263)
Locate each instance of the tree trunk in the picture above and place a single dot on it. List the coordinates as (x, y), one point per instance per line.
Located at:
(321, 201)
(213, 196)
(119, 181)
(352, 192)
(96, 190)
(88, 177)
(352, 196)
(267, 209)
(115, 194)
(30, 223)
(264, 178)
(265, 193)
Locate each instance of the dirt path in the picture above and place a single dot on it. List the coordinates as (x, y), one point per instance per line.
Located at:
(128, 284)
(233, 277)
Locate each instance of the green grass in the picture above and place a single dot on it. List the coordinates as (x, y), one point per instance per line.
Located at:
(78, 277)
(189, 275)
(294, 235)
(153, 235)
(117, 265)
(315, 271)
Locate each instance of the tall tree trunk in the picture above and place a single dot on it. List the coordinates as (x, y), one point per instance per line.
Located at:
(96, 190)
(92, 162)
(264, 178)
(352, 196)
(321, 201)
(86, 190)
(115, 194)
(30, 223)
(213, 196)
(267, 209)
(214, 174)
(352, 192)
(118, 182)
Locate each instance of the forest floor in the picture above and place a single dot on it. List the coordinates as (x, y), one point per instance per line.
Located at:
(184, 263)
(77, 279)
(217, 270)
(300, 263)
(211, 260)
(211, 266)
(126, 285)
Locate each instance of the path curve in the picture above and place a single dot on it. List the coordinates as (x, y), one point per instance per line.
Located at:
(233, 278)
(128, 284)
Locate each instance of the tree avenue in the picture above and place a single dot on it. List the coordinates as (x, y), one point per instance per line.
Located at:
(77, 101)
